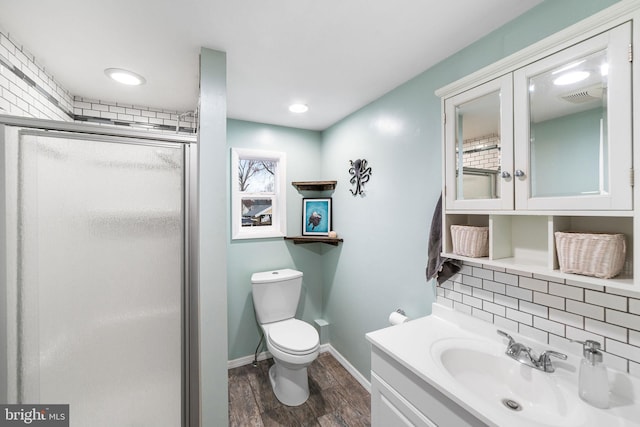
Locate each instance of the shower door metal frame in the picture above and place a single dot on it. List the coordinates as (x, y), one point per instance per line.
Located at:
(190, 385)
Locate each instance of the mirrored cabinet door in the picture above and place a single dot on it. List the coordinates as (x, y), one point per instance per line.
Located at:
(479, 149)
(572, 118)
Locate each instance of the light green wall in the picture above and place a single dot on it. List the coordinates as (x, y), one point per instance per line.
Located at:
(213, 220)
(381, 264)
(245, 257)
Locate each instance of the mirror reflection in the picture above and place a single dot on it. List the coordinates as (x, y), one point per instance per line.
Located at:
(568, 129)
(478, 148)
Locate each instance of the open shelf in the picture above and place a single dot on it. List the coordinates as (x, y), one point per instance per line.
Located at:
(314, 185)
(622, 281)
(527, 243)
(315, 239)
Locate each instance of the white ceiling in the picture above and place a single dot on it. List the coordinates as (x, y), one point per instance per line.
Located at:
(334, 55)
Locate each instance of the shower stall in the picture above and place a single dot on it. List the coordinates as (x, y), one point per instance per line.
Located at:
(95, 293)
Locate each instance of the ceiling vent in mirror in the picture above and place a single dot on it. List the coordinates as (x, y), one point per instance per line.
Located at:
(586, 94)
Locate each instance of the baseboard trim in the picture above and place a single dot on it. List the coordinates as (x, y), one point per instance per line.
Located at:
(350, 368)
(247, 360)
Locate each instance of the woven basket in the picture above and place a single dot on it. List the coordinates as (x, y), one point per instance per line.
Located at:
(470, 241)
(591, 254)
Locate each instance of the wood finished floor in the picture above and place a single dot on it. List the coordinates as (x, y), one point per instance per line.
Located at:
(336, 398)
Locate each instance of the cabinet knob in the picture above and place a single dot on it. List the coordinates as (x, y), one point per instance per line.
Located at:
(519, 173)
(505, 174)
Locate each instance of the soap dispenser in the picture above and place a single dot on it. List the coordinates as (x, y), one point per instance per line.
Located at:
(593, 384)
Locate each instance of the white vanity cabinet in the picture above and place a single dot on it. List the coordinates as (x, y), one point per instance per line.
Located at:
(543, 141)
(400, 398)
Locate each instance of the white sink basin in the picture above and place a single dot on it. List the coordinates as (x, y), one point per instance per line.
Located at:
(463, 358)
(481, 368)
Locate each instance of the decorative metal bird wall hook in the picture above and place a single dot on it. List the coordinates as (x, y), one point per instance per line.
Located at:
(360, 174)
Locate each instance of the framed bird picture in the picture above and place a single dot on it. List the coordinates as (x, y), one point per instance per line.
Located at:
(316, 216)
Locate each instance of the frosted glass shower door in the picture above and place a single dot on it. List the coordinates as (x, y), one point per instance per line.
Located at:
(95, 296)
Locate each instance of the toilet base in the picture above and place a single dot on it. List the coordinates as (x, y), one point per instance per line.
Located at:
(291, 386)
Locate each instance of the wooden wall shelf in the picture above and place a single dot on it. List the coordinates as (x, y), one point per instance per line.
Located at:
(314, 185)
(315, 239)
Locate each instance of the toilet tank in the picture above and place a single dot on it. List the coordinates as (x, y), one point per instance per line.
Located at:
(276, 294)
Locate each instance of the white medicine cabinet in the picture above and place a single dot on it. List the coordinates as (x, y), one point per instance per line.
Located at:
(479, 145)
(572, 116)
(561, 141)
(542, 141)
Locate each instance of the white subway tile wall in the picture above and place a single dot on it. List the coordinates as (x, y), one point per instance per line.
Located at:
(550, 310)
(132, 115)
(26, 89)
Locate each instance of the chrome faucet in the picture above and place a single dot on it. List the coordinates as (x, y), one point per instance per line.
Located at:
(525, 355)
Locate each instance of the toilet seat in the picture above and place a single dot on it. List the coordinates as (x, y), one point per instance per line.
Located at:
(294, 336)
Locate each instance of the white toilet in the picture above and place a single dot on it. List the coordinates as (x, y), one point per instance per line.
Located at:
(294, 344)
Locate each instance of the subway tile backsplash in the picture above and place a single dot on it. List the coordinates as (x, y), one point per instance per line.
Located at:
(550, 310)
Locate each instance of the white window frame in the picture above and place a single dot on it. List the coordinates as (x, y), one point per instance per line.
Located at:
(278, 225)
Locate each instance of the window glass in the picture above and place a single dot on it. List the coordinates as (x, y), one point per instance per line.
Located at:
(259, 194)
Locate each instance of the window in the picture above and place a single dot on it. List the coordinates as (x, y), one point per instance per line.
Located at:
(258, 196)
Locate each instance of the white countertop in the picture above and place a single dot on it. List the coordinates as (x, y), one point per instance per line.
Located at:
(412, 344)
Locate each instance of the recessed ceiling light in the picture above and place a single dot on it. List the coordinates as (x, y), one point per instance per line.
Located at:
(298, 108)
(124, 76)
(571, 77)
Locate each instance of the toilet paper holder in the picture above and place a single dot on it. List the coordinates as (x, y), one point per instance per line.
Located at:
(397, 317)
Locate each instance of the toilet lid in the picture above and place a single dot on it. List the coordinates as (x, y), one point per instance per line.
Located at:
(294, 336)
